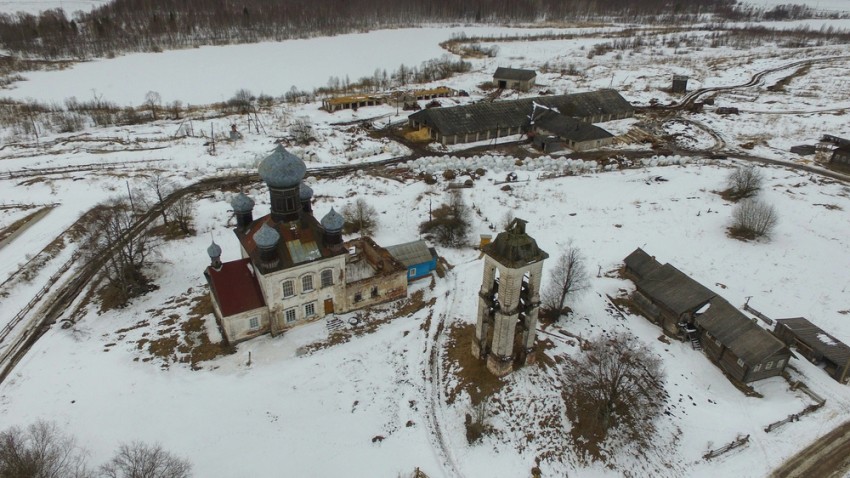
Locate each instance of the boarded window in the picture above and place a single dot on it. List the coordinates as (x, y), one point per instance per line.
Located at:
(307, 283)
(289, 315)
(288, 288)
(757, 368)
(768, 365)
(327, 278)
(780, 363)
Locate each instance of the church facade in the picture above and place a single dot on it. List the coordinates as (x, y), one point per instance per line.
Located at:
(294, 268)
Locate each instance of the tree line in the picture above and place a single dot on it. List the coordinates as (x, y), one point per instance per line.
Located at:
(153, 25)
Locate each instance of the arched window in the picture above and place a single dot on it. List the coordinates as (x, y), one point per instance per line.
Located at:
(327, 277)
(288, 288)
(307, 283)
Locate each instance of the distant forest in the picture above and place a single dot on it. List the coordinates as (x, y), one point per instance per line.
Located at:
(156, 25)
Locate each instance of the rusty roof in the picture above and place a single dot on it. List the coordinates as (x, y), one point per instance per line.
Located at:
(301, 241)
(235, 287)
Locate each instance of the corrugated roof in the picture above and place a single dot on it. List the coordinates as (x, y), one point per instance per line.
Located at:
(738, 333)
(641, 263)
(411, 253)
(514, 74)
(817, 339)
(674, 289)
(483, 117)
(569, 128)
(235, 287)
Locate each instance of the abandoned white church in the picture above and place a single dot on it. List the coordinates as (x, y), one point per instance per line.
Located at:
(294, 268)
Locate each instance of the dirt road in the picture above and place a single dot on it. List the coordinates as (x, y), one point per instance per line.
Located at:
(828, 457)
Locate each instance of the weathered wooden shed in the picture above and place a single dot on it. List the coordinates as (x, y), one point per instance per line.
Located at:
(514, 78)
(485, 121)
(572, 133)
(816, 345)
(738, 345)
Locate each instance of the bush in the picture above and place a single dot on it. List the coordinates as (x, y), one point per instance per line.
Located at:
(753, 218)
(361, 217)
(449, 223)
(744, 182)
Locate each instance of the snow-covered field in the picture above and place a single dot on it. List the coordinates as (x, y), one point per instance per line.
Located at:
(322, 413)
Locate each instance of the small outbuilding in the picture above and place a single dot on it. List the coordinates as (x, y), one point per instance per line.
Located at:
(514, 78)
(680, 84)
(419, 259)
(816, 345)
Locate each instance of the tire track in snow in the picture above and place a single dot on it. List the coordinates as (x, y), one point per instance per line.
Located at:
(434, 383)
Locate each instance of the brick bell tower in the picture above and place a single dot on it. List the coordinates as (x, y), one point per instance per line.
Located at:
(509, 300)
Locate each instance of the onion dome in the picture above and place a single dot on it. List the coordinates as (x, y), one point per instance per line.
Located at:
(305, 192)
(282, 169)
(333, 221)
(241, 203)
(214, 250)
(266, 237)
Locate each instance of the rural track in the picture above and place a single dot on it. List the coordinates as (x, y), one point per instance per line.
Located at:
(827, 457)
(91, 167)
(434, 384)
(692, 97)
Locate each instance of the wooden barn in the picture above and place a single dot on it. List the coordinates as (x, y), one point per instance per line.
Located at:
(686, 309)
(816, 345)
(740, 347)
(514, 78)
(486, 121)
(552, 132)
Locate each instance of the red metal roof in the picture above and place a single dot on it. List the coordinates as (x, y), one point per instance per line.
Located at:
(235, 287)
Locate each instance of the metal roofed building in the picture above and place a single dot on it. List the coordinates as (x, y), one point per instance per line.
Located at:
(553, 132)
(485, 121)
(419, 259)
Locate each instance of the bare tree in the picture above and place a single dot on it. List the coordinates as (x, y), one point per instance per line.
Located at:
(160, 187)
(140, 460)
(302, 130)
(153, 102)
(450, 222)
(361, 217)
(41, 450)
(507, 219)
(241, 101)
(744, 182)
(568, 277)
(112, 237)
(614, 388)
(754, 218)
(182, 212)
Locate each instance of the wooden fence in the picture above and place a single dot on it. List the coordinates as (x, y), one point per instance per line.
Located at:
(739, 442)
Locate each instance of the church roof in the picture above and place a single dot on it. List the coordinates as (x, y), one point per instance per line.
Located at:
(282, 169)
(235, 287)
(300, 242)
(241, 203)
(304, 192)
(333, 221)
(514, 248)
(214, 250)
(266, 237)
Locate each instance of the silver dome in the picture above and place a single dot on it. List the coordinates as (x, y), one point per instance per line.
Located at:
(282, 169)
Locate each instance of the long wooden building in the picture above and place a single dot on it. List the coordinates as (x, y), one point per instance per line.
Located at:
(485, 121)
(685, 308)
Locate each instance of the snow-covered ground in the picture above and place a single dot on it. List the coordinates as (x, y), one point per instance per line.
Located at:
(322, 413)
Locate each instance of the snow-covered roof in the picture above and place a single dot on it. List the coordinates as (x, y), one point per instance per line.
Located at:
(817, 339)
